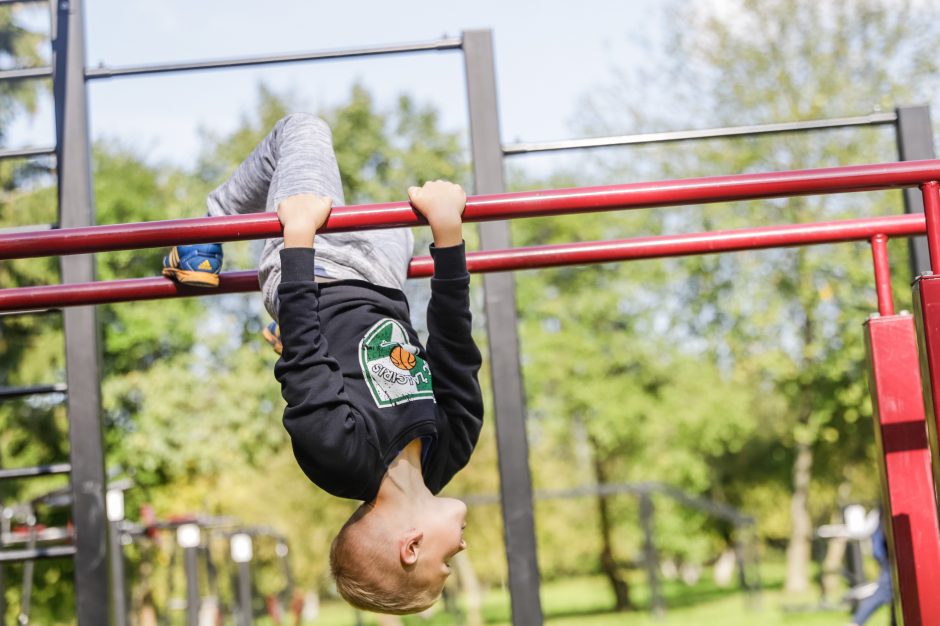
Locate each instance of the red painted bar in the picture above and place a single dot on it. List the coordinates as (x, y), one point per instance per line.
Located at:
(481, 208)
(932, 213)
(927, 316)
(24, 298)
(904, 459)
(879, 253)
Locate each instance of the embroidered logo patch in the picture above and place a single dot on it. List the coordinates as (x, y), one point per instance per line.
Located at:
(392, 368)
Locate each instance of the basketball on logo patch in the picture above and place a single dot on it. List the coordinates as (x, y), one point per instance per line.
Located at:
(402, 359)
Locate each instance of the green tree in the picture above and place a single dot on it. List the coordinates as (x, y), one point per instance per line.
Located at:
(790, 317)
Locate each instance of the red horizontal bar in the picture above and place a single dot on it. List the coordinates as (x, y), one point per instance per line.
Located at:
(480, 208)
(27, 298)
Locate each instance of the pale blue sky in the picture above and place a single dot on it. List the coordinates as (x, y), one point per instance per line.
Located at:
(549, 54)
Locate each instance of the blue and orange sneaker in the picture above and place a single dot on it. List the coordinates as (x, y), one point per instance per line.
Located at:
(197, 264)
(272, 334)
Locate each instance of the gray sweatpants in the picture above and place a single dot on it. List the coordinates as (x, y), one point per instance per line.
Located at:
(297, 157)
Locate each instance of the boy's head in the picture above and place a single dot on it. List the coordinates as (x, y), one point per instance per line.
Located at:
(396, 560)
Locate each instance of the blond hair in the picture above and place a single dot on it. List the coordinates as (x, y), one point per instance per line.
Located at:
(369, 577)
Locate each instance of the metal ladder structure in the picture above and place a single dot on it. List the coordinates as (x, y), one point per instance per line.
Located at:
(82, 348)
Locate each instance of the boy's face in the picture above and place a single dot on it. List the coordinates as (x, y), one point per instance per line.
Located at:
(443, 538)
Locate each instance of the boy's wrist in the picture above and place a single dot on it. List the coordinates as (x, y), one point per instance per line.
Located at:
(447, 234)
(299, 235)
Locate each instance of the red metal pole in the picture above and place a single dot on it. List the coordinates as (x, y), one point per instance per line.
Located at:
(910, 513)
(480, 208)
(932, 213)
(879, 253)
(28, 298)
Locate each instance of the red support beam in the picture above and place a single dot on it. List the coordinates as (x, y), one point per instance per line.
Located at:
(480, 208)
(927, 316)
(931, 193)
(904, 459)
(30, 298)
(879, 253)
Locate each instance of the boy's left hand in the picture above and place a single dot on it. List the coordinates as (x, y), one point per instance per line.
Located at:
(442, 204)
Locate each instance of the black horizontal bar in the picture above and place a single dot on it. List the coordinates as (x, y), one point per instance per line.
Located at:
(644, 488)
(27, 229)
(54, 552)
(26, 73)
(872, 119)
(35, 390)
(21, 153)
(30, 312)
(39, 470)
(6, 2)
(161, 68)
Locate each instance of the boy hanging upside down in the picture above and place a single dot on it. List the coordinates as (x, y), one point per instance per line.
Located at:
(372, 414)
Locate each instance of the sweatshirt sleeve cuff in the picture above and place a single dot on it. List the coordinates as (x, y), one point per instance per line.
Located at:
(450, 262)
(297, 264)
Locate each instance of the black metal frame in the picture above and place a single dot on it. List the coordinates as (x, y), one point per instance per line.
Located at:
(502, 336)
(915, 141)
(81, 328)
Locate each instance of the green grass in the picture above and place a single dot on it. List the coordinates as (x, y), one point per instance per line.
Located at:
(587, 601)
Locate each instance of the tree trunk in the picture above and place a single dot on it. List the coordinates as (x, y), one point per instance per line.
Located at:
(798, 550)
(609, 564)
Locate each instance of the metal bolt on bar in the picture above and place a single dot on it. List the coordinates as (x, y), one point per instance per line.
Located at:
(452, 43)
(55, 552)
(39, 470)
(879, 252)
(35, 390)
(481, 208)
(872, 119)
(534, 257)
(25, 153)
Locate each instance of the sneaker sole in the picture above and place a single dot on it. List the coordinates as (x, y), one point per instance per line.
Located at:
(272, 339)
(190, 277)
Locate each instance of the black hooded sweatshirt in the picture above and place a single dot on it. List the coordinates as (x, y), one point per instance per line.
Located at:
(359, 386)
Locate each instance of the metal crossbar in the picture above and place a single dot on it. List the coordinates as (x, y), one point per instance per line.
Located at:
(54, 552)
(24, 153)
(39, 470)
(481, 208)
(533, 257)
(452, 43)
(33, 390)
(873, 119)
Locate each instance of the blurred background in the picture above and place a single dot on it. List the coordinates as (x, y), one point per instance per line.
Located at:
(722, 400)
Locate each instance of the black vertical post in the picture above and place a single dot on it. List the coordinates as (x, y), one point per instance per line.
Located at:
(650, 558)
(191, 566)
(242, 554)
(915, 141)
(244, 594)
(503, 341)
(76, 208)
(119, 589)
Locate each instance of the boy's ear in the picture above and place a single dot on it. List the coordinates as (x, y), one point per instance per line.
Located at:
(410, 547)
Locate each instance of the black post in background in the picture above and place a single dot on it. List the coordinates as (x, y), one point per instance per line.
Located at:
(650, 557)
(501, 325)
(188, 537)
(76, 208)
(115, 507)
(242, 551)
(915, 141)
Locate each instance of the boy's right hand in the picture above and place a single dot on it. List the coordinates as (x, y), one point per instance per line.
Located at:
(442, 204)
(302, 215)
